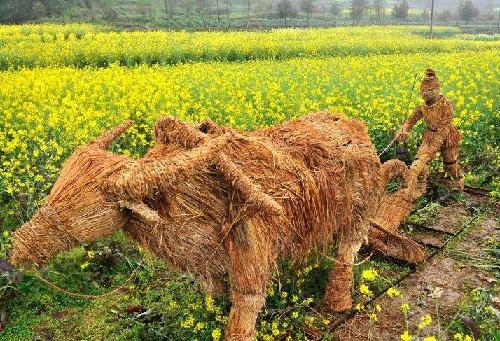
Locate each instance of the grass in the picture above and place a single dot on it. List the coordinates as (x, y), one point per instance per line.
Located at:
(172, 299)
(478, 315)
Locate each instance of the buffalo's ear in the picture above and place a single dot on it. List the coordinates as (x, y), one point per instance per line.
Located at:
(211, 128)
(172, 130)
(105, 140)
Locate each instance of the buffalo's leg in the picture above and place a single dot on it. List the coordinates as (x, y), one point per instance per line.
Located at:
(243, 315)
(249, 275)
(338, 296)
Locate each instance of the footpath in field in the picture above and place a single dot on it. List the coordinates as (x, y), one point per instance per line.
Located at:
(456, 265)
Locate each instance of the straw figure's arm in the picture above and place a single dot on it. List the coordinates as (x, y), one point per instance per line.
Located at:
(393, 209)
(403, 134)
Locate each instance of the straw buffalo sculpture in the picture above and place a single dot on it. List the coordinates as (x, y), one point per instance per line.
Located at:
(216, 202)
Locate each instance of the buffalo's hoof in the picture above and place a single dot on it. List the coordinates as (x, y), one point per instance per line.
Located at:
(338, 304)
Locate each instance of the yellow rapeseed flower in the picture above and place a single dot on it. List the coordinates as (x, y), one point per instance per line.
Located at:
(309, 319)
(405, 307)
(393, 292)
(406, 336)
(216, 334)
(188, 322)
(359, 307)
(365, 290)
(369, 274)
(425, 321)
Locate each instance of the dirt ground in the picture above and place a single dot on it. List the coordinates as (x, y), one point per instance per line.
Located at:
(437, 288)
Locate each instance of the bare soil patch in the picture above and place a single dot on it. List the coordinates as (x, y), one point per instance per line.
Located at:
(436, 288)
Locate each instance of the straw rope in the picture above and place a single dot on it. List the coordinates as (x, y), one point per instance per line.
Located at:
(39, 276)
(408, 102)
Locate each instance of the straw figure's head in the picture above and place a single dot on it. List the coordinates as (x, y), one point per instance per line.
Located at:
(76, 211)
(429, 87)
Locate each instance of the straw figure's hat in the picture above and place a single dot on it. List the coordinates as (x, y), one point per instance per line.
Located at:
(430, 81)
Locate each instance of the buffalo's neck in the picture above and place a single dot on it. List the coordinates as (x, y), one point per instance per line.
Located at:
(189, 234)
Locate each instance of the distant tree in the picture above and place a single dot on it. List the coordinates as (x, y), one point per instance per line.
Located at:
(173, 4)
(425, 14)
(20, 10)
(379, 9)
(5, 8)
(218, 13)
(38, 10)
(400, 11)
(188, 6)
(445, 15)
(56, 7)
(165, 6)
(169, 6)
(285, 10)
(358, 8)
(306, 6)
(248, 13)
(467, 11)
(108, 12)
(265, 6)
(228, 12)
(200, 8)
(335, 9)
(91, 6)
(152, 12)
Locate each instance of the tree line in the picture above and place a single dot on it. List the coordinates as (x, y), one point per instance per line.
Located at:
(226, 13)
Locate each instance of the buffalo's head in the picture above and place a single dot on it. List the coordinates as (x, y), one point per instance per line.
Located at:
(76, 210)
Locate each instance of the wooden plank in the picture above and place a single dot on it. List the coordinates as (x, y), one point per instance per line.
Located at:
(429, 239)
(450, 219)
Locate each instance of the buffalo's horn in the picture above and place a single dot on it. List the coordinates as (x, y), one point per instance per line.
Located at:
(105, 140)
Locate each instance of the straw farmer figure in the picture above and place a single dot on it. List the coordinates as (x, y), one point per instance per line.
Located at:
(440, 135)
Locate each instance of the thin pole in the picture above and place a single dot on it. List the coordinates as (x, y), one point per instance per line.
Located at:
(498, 22)
(218, 15)
(432, 17)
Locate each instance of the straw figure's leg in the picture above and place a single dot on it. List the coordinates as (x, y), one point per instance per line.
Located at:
(248, 277)
(429, 148)
(452, 166)
(419, 168)
(338, 296)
